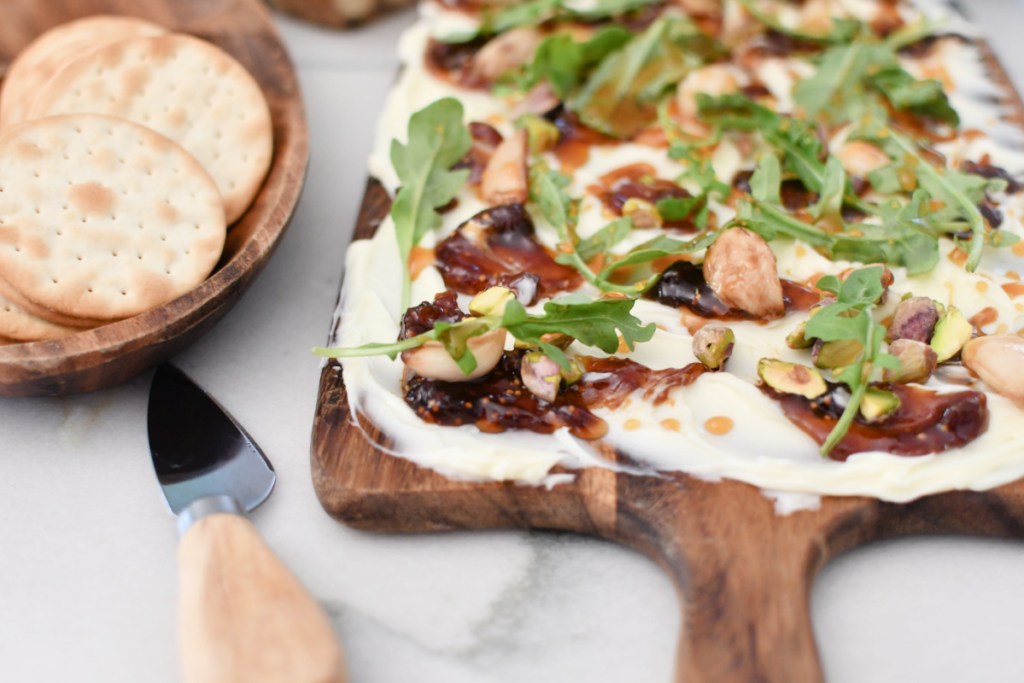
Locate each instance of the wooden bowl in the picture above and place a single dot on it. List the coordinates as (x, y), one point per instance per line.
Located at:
(113, 353)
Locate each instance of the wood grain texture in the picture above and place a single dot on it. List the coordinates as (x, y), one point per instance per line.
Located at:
(244, 617)
(111, 354)
(743, 572)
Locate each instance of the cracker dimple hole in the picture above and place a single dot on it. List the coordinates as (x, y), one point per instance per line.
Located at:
(79, 258)
(89, 290)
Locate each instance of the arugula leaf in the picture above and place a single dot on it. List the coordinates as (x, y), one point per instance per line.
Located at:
(437, 139)
(621, 96)
(924, 98)
(699, 177)
(849, 78)
(602, 241)
(563, 62)
(958, 193)
(659, 247)
(598, 323)
(901, 238)
(829, 208)
(559, 210)
(849, 318)
(796, 139)
(836, 91)
(843, 30)
(532, 13)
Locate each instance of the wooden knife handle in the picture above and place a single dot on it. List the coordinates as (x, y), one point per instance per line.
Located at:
(244, 617)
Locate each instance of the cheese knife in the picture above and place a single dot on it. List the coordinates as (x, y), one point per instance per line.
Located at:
(244, 618)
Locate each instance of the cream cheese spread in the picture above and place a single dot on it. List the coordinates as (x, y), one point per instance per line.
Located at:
(763, 447)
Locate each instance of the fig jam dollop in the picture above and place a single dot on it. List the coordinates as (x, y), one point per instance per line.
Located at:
(422, 317)
(926, 421)
(498, 247)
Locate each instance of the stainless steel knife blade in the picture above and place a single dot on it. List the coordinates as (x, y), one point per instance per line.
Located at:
(244, 617)
(199, 450)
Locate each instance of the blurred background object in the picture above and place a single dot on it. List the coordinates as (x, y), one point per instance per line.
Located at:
(337, 13)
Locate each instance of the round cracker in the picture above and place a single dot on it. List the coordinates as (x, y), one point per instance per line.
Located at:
(101, 218)
(33, 309)
(182, 87)
(18, 325)
(45, 56)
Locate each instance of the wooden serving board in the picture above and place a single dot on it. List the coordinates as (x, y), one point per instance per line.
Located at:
(743, 572)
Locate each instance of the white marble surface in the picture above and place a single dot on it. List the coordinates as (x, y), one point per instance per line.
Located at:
(87, 547)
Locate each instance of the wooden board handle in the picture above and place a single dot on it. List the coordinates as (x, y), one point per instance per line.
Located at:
(743, 573)
(244, 617)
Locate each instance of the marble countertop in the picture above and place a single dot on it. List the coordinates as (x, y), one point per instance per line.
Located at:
(87, 545)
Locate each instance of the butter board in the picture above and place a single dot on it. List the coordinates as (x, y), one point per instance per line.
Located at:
(743, 572)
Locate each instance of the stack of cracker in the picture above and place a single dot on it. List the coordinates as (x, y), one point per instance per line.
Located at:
(125, 152)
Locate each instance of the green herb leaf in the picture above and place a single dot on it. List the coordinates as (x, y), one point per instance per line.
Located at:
(849, 318)
(597, 323)
(924, 98)
(437, 139)
(843, 30)
(795, 139)
(621, 96)
(602, 241)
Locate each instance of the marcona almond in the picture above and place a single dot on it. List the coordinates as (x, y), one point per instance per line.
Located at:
(504, 53)
(504, 180)
(433, 362)
(999, 361)
(860, 158)
(741, 269)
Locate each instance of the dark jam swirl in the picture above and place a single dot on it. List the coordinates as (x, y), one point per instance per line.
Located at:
(498, 247)
(610, 381)
(453, 62)
(422, 317)
(926, 421)
(640, 181)
(499, 401)
(683, 285)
